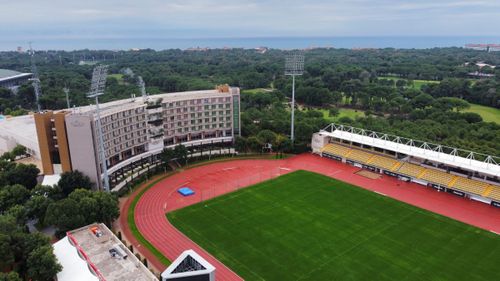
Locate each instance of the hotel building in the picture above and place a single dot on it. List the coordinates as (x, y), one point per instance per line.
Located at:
(135, 130)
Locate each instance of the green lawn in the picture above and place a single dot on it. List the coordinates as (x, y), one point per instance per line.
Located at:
(305, 226)
(257, 90)
(343, 112)
(118, 77)
(417, 84)
(489, 114)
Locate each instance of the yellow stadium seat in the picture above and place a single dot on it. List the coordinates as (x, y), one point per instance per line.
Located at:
(411, 170)
(437, 176)
(469, 185)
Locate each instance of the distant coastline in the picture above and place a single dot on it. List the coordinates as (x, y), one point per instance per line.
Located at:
(407, 42)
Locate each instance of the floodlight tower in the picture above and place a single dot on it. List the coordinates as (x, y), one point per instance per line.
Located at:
(142, 87)
(66, 92)
(35, 79)
(294, 66)
(96, 89)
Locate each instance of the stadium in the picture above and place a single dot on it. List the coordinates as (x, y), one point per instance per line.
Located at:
(362, 206)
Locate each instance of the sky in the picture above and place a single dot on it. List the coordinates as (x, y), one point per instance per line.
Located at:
(32, 19)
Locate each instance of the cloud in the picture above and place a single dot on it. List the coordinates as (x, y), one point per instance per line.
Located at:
(249, 18)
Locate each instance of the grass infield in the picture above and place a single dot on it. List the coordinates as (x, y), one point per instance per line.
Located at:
(305, 226)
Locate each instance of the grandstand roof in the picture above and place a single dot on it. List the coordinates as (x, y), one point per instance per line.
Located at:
(468, 160)
(6, 74)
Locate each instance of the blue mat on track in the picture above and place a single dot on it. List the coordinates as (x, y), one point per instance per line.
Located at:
(185, 191)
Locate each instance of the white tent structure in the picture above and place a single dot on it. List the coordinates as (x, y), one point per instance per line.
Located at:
(74, 268)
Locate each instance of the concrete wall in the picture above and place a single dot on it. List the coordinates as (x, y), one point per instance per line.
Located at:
(82, 146)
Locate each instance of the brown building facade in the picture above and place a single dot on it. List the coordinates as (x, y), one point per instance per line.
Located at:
(53, 142)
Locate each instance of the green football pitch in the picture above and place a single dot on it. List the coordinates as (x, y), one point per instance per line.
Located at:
(305, 226)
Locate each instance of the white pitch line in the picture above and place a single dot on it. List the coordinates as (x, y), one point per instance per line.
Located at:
(227, 169)
(286, 169)
(494, 232)
(383, 194)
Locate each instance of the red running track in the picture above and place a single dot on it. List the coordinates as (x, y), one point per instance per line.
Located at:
(216, 179)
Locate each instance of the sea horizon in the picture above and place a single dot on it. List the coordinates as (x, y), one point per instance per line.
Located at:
(272, 42)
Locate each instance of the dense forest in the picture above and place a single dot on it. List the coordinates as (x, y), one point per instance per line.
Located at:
(414, 93)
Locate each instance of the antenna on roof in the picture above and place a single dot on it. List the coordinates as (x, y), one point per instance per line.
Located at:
(142, 87)
(35, 79)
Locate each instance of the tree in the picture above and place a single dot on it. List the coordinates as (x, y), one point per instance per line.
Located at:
(240, 144)
(422, 101)
(107, 207)
(72, 180)
(12, 195)
(333, 112)
(19, 213)
(65, 215)
(10, 276)
(167, 155)
(181, 153)
(19, 150)
(23, 174)
(267, 136)
(82, 207)
(6, 251)
(472, 117)
(254, 144)
(42, 264)
(37, 207)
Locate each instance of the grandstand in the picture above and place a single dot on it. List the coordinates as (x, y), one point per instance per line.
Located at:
(443, 168)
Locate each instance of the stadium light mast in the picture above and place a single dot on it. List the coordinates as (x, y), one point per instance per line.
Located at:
(294, 66)
(142, 87)
(35, 79)
(96, 89)
(66, 92)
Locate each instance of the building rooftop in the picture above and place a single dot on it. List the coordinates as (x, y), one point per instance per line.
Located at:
(20, 130)
(6, 74)
(119, 105)
(104, 256)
